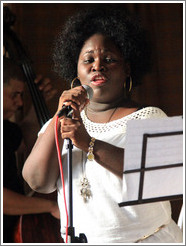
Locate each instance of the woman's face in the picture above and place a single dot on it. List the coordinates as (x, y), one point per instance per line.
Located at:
(102, 67)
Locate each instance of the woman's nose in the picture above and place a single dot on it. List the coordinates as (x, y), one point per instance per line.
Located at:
(98, 66)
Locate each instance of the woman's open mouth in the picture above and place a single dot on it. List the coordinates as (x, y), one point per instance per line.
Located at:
(98, 80)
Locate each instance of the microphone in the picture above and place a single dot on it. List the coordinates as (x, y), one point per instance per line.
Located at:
(67, 111)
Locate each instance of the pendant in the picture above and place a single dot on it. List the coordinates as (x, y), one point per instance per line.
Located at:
(85, 189)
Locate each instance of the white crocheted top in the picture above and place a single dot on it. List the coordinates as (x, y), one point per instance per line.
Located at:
(118, 126)
(101, 219)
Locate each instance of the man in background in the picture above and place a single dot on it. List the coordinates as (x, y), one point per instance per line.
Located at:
(15, 201)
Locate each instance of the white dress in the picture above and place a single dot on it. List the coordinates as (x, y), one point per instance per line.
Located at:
(100, 218)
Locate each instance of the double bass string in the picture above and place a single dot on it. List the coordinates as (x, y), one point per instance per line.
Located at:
(37, 98)
(40, 107)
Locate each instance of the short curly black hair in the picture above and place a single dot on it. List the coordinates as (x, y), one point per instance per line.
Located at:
(12, 70)
(124, 31)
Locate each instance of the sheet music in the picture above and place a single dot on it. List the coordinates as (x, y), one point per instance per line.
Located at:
(160, 151)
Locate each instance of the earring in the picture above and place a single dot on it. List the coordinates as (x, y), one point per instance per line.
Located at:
(129, 79)
(130, 86)
(72, 83)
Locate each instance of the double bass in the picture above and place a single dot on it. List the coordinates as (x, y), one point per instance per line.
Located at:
(31, 228)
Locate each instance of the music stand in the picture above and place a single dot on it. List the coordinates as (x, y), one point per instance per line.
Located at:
(155, 172)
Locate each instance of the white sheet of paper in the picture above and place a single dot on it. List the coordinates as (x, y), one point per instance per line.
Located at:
(166, 150)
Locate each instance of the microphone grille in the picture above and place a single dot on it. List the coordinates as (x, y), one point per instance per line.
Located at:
(89, 91)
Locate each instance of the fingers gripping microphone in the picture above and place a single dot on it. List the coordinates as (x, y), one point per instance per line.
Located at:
(67, 111)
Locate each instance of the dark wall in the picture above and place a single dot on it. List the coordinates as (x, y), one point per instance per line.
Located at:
(37, 24)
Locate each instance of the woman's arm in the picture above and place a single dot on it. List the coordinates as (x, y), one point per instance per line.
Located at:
(109, 156)
(41, 169)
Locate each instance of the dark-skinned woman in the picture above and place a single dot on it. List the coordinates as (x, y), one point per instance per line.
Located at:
(106, 50)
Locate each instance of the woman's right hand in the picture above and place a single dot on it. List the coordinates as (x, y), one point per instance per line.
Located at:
(75, 97)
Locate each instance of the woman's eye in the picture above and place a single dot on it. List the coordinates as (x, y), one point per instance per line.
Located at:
(88, 60)
(109, 60)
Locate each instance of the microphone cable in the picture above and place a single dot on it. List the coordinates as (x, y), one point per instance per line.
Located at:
(61, 174)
